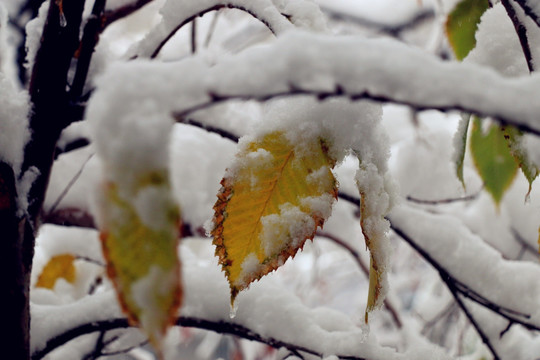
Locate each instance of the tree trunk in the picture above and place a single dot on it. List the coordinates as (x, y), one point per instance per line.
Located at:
(15, 265)
(50, 114)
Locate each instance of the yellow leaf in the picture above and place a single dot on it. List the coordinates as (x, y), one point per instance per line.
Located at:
(140, 246)
(273, 199)
(59, 266)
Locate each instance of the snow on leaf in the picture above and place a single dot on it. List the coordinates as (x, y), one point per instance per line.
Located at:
(272, 200)
(514, 139)
(140, 246)
(58, 267)
(375, 203)
(462, 23)
(492, 158)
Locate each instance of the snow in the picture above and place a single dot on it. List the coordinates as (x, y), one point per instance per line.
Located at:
(301, 13)
(497, 45)
(472, 262)
(34, 28)
(14, 134)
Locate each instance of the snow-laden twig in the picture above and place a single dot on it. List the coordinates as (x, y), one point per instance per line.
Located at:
(521, 32)
(278, 18)
(221, 327)
(464, 278)
(531, 8)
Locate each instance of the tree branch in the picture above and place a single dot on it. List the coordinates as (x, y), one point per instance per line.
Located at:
(217, 99)
(218, 326)
(365, 269)
(191, 18)
(521, 32)
(90, 38)
(392, 30)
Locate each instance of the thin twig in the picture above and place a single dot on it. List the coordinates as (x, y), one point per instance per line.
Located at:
(485, 339)
(356, 256)
(521, 32)
(194, 36)
(442, 201)
(69, 185)
(393, 30)
(90, 38)
(221, 132)
(189, 19)
(529, 11)
(212, 29)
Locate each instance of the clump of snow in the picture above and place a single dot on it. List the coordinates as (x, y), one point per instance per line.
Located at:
(289, 227)
(146, 293)
(497, 44)
(34, 29)
(250, 265)
(14, 133)
(278, 16)
(319, 206)
(341, 123)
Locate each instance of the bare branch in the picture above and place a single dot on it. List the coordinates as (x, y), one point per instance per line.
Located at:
(416, 20)
(365, 269)
(443, 201)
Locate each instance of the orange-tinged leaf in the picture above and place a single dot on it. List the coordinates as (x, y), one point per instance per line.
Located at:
(273, 199)
(58, 267)
(140, 246)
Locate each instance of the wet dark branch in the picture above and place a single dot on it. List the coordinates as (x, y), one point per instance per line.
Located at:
(51, 110)
(90, 38)
(485, 339)
(443, 201)
(221, 327)
(521, 32)
(213, 129)
(529, 11)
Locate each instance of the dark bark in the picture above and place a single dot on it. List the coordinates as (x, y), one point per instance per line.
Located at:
(50, 113)
(48, 93)
(14, 271)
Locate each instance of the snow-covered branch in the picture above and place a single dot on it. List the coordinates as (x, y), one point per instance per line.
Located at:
(323, 66)
(278, 19)
(477, 270)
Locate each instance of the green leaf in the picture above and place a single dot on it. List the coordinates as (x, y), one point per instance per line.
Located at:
(514, 138)
(492, 158)
(460, 141)
(462, 23)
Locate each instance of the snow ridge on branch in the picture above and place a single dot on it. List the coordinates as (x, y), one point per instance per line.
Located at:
(323, 66)
(278, 19)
